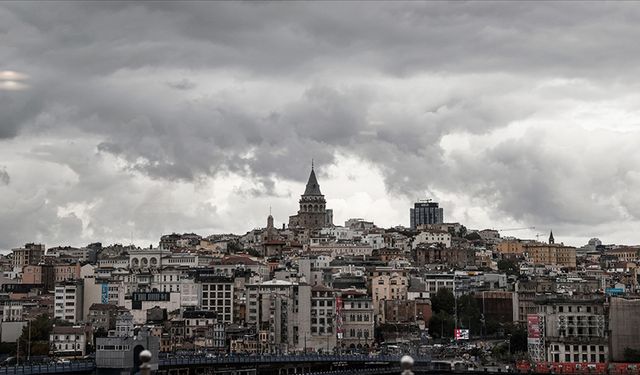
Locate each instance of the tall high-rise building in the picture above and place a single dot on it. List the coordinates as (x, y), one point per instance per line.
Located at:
(425, 212)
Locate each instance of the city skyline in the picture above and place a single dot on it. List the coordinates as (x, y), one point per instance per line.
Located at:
(128, 121)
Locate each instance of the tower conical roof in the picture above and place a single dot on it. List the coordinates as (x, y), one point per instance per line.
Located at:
(313, 188)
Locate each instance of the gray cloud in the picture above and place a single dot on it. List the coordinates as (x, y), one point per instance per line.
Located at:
(4, 176)
(183, 84)
(181, 92)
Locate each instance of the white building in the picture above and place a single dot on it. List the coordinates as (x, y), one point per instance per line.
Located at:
(375, 240)
(69, 300)
(146, 258)
(69, 341)
(432, 237)
(12, 311)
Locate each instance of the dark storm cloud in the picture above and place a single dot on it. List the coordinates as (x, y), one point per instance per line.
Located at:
(184, 91)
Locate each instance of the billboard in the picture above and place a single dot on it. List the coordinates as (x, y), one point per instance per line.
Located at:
(339, 317)
(462, 334)
(105, 293)
(534, 333)
(614, 291)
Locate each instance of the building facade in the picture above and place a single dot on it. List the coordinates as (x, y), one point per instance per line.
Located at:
(217, 294)
(69, 299)
(574, 329)
(425, 212)
(31, 253)
(357, 321)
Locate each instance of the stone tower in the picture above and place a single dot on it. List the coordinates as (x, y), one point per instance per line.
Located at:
(313, 213)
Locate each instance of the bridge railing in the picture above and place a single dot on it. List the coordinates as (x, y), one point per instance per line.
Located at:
(188, 360)
(53, 368)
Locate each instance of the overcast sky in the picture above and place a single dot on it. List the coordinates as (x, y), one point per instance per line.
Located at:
(122, 122)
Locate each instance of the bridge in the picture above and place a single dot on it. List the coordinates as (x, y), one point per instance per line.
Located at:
(257, 359)
(276, 364)
(76, 367)
(260, 365)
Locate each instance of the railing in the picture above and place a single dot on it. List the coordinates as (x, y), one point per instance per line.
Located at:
(197, 360)
(373, 371)
(54, 368)
(88, 366)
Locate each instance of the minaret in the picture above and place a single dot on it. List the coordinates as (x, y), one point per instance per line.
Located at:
(551, 240)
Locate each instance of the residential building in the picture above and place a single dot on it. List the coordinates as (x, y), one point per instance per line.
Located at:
(31, 253)
(511, 247)
(432, 237)
(39, 274)
(323, 318)
(280, 311)
(388, 287)
(398, 311)
(551, 254)
(217, 294)
(574, 328)
(357, 321)
(69, 301)
(103, 315)
(68, 341)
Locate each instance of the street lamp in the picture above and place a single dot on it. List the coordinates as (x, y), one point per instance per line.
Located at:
(145, 359)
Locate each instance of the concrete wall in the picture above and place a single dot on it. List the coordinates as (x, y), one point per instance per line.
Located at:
(624, 319)
(11, 331)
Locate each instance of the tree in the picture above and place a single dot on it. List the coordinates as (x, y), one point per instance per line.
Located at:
(469, 315)
(443, 301)
(509, 267)
(473, 236)
(40, 328)
(233, 247)
(519, 340)
(441, 325)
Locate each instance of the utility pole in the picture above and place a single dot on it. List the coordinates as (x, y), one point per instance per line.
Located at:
(455, 303)
(29, 351)
(484, 317)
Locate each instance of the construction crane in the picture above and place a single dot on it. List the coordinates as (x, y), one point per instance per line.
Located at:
(514, 229)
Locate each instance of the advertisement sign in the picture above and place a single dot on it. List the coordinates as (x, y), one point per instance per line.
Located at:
(614, 291)
(462, 334)
(339, 317)
(105, 293)
(533, 329)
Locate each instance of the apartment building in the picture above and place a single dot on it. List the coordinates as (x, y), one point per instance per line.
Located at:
(357, 321)
(216, 294)
(575, 328)
(388, 287)
(69, 301)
